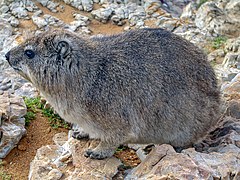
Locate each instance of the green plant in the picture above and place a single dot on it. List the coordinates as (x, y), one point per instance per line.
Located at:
(29, 117)
(3, 174)
(35, 105)
(55, 120)
(201, 3)
(218, 42)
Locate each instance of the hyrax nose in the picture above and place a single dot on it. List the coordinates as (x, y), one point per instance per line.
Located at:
(7, 56)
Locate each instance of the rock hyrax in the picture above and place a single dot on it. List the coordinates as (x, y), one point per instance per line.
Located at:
(141, 86)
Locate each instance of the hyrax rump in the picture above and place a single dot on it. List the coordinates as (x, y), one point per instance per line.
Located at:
(142, 86)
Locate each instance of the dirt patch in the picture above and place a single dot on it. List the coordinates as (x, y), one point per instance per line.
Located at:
(39, 133)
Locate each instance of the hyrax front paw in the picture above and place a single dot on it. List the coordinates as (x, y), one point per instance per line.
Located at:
(78, 132)
(98, 154)
(79, 135)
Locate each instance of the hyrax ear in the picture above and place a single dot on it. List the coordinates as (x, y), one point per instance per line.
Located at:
(63, 48)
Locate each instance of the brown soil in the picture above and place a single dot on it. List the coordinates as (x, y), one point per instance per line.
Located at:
(39, 133)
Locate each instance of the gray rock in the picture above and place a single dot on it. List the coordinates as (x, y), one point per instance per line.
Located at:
(233, 88)
(232, 60)
(43, 2)
(233, 45)
(19, 11)
(233, 109)
(215, 21)
(4, 9)
(213, 56)
(102, 15)
(232, 8)
(52, 6)
(74, 25)
(189, 12)
(55, 174)
(87, 5)
(138, 15)
(151, 6)
(53, 21)
(39, 21)
(80, 17)
(12, 110)
(14, 21)
(219, 159)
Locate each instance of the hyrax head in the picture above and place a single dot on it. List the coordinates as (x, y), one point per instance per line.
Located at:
(37, 54)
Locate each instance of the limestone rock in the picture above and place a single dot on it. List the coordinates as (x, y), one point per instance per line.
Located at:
(54, 161)
(12, 110)
(39, 21)
(102, 15)
(232, 60)
(214, 20)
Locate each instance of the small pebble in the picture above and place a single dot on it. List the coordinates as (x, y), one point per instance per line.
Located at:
(22, 147)
(4, 163)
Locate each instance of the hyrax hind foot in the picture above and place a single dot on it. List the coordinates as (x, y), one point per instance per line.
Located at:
(100, 152)
(78, 133)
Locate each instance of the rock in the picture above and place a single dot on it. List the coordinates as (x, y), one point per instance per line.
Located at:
(217, 157)
(52, 6)
(232, 8)
(151, 6)
(91, 169)
(41, 166)
(232, 60)
(14, 21)
(189, 12)
(4, 9)
(54, 174)
(216, 55)
(119, 15)
(136, 16)
(53, 21)
(39, 21)
(212, 19)
(5, 31)
(18, 11)
(174, 7)
(52, 160)
(224, 138)
(233, 45)
(233, 88)
(75, 3)
(102, 15)
(60, 138)
(81, 17)
(43, 2)
(233, 109)
(12, 110)
(87, 5)
(22, 147)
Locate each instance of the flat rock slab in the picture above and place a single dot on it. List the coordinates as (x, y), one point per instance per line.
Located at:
(217, 157)
(67, 161)
(163, 163)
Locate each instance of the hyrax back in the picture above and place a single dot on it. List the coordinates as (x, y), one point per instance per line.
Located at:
(142, 86)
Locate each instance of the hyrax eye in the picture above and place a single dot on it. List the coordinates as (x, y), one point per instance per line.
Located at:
(29, 53)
